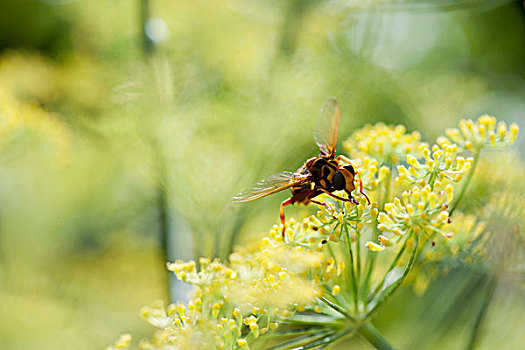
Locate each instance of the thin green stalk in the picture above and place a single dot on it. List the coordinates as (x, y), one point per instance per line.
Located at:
(372, 335)
(345, 280)
(349, 259)
(358, 255)
(326, 340)
(315, 320)
(338, 308)
(371, 256)
(147, 44)
(467, 181)
(383, 296)
(297, 342)
(351, 267)
(432, 180)
(291, 26)
(487, 300)
(394, 263)
(295, 332)
(162, 202)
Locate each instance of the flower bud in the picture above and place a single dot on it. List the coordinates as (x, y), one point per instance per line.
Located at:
(374, 246)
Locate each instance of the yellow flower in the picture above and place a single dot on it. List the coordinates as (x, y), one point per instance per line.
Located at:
(420, 209)
(440, 162)
(382, 142)
(485, 132)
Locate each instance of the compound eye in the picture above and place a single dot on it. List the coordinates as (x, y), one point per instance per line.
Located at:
(338, 181)
(350, 169)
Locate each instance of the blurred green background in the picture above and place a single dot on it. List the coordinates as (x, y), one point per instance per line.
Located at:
(127, 126)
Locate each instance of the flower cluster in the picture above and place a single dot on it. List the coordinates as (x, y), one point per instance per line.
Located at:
(263, 285)
(421, 210)
(381, 141)
(268, 279)
(204, 321)
(442, 163)
(234, 305)
(485, 132)
(209, 274)
(369, 173)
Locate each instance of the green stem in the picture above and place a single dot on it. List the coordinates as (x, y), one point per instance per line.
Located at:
(297, 342)
(346, 281)
(315, 320)
(394, 263)
(372, 256)
(467, 181)
(325, 340)
(338, 308)
(358, 255)
(295, 332)
(147, 44)
(372, 335)
(489, 294)
(351, 267)
(291, 26)
(432, 179)
(385, 294)
(164, 219)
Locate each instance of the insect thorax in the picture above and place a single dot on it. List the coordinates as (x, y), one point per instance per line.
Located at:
(322, 170)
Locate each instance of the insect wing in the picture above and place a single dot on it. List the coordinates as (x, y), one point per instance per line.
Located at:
(272, 184)
(325, 132)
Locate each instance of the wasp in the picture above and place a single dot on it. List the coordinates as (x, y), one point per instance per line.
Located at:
(324, 173)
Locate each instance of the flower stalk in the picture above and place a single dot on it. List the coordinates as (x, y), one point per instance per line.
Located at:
(467, 181)
(368, 332)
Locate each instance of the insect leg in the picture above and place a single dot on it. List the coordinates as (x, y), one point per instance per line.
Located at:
(336, 197)
(344, 159)
(361, 187)
(318, 203)
(283, 204)
(352, 198)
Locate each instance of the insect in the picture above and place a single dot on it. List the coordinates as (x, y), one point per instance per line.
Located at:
(325, 173)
